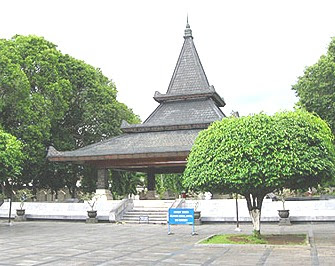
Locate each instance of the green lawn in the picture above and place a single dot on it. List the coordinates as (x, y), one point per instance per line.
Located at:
(284, 239)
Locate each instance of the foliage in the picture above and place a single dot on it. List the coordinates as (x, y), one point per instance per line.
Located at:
(255, 155)
(89, 179)
(169, 182)
(11, 157)
(49, 98)
(284, 193)
(316, 88)
(22, 195)
(90, 198)
(123, 183)
(325, 190)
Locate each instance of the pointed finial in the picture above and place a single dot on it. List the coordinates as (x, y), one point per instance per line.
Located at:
(188, 31)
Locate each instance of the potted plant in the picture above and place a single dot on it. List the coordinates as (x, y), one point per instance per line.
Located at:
(22, 195)
(283, 194)
(91, 200)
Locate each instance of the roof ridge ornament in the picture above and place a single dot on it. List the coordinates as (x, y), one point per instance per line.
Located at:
(188, 31)
(124, 124)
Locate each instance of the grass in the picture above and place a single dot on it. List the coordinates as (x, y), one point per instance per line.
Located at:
(284, 239)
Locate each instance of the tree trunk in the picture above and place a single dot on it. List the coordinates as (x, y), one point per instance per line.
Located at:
(254, 203)
(73, 194)
(255, 215)
(7, 189)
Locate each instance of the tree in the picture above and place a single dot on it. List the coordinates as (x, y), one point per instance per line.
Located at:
(316, 88)
(254, 155)
(48, 98)
(11, 158)
(124, 183)
(169, 183)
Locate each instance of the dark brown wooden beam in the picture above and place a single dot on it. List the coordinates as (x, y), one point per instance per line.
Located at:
(138, 163)
(158, 170)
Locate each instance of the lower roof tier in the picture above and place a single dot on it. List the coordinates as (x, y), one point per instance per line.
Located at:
(131, 146)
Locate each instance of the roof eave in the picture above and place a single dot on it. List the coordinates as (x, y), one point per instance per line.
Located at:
(218, 100)
(155, 128)
(168, 97)
(82, 159)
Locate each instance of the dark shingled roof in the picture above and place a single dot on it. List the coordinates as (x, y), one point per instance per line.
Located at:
(189, 99)
(186, 112)
(189, 106)
(137, 143)
(189, 75)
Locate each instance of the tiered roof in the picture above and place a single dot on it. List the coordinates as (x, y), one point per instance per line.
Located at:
(189, 105)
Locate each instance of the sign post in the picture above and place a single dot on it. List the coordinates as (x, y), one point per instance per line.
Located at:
(237, 229)
(181, 216)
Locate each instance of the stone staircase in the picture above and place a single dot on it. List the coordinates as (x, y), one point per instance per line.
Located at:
(148, 211)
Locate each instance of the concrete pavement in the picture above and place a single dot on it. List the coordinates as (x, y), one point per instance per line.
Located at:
(77, 243)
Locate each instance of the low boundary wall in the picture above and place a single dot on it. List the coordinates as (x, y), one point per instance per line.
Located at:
(223, 210)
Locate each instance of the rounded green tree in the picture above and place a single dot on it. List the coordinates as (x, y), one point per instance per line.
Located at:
(255, 155)
(11, 157)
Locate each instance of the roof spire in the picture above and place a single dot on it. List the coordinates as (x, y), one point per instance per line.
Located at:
(188, 31)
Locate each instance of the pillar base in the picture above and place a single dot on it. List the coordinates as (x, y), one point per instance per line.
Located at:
(91, 220)
(284, 221)
(197, 221)
(20, 218)
(149, 195)
(103, 194)
(197, 218)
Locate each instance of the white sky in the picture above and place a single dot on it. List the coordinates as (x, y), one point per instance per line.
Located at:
(252, 51)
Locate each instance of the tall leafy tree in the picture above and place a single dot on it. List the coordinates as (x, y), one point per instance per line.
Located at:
(48, 98)
(255, 155)
(316, 88)
(11, 158)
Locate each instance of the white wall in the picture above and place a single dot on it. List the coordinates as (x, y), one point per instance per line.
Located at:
(225, 210)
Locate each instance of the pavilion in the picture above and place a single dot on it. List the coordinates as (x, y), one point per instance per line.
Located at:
(163, 141)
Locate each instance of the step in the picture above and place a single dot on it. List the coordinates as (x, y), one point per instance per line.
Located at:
(132, 217)
(126, 216)
(155, 220)
(151, 209)
(147, 213)
(142, 222)
(136, 215)
(143, 218)
(144, 215)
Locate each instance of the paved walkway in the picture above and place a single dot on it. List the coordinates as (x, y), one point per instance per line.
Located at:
(71, 243)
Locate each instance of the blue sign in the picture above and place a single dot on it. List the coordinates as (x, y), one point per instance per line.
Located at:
(181, 216)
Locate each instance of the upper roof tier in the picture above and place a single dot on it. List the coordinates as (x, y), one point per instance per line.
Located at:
(189, 78)
(197, 113)
(190, 102)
